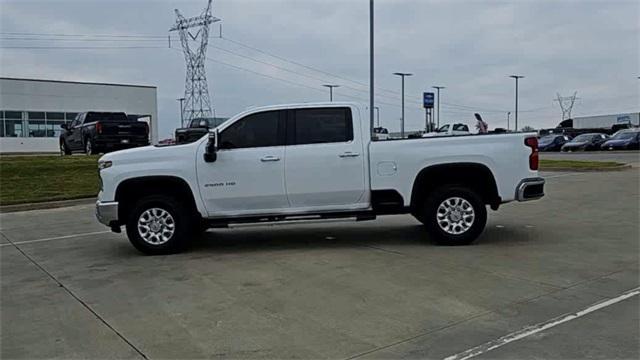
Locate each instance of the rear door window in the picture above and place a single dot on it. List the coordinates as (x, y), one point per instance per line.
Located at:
(105, 116)
(320, 125)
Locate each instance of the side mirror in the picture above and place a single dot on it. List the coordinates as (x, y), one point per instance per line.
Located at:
(64, 126)
(210, 151)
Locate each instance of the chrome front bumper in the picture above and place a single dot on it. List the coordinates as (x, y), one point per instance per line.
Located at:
(107, 212)
(530, 189)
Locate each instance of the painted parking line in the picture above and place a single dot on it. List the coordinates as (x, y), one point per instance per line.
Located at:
(54, 238)
(530, 330)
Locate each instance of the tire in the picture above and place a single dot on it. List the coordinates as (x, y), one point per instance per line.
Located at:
(162, 241)
(89, 148)
(469, 215)
(64, 149)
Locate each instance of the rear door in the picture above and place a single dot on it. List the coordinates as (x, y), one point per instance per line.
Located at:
(324, 166)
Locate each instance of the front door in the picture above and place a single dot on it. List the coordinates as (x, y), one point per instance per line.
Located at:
(247, 177)
(324, 167)
(74, 134)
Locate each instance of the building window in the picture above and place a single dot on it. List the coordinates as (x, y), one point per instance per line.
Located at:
(54, 120)
(36, 123)
(11, 124)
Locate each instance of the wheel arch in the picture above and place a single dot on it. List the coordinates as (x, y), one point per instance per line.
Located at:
(475, 176)
(132, 189)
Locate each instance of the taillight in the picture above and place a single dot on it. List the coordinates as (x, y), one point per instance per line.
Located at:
(532, 142)
(99, 128)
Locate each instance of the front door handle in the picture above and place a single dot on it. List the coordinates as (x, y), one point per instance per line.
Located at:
(270, 158)
(348, 154)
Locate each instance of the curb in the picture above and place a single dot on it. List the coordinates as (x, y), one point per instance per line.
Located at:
(46, 205)
(601, 169)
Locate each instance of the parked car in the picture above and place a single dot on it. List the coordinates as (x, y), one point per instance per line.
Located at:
(381, 133)
(449, 130)
(627, 140)
(552, 142)
(197, 128)
(585, 142)
(95, 132)
(312, 161)
(633, 129)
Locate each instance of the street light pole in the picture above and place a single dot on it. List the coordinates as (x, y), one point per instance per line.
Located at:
(378, 115)
(181, 100)
(371, 64)
(330, 86)
(402, 75)
(516, 77)
(438, 104)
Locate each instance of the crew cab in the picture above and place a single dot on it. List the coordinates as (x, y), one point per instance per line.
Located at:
(312, 161)
(95, 132)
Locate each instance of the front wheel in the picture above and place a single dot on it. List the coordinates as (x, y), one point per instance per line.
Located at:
(89, 148)
(454, 215)
(159, 225)
(64, 149)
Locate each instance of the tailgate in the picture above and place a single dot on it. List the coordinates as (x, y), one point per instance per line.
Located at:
(130, 128)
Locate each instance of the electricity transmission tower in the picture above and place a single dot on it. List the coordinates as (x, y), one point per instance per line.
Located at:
(566, 104)
(196, 90)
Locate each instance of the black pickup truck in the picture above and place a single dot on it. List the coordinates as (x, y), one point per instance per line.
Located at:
(94, 132)
(197, 129)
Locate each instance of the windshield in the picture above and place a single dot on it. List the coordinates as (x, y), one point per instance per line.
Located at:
(582, 138)
(547, 139)
(211, 122)
(444, 128)
(625, 136)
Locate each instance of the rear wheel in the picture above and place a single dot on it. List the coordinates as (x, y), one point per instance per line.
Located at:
(160, 225)
(453, 215)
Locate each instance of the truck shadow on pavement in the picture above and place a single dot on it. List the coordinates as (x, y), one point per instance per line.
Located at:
(283, 238)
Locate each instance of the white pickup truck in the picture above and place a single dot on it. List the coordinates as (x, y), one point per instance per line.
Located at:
(312, 161)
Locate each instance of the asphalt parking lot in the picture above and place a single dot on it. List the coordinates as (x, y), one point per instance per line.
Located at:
(378, 289)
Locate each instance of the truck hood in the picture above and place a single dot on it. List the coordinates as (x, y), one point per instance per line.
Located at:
(150, 153)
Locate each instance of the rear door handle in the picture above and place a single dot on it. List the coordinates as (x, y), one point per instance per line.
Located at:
(270, 158)
(347, 154)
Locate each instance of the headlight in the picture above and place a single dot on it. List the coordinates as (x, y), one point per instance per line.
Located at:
(103, 164)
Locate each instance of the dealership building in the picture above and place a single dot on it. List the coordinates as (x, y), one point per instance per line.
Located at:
(32, 110)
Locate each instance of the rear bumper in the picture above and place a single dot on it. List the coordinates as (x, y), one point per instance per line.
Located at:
(530, 189)
(120, 142)
(107, 212)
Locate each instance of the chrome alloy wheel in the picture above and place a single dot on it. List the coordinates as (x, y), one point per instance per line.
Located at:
(455, 215)
(156, 226)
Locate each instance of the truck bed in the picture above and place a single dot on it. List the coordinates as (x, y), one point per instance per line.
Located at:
(395, 163)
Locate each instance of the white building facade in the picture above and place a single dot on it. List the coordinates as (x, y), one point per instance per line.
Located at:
(32, 110)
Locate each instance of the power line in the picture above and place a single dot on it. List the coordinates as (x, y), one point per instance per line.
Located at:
(81, 47)
(162, 38)
(83, 39)
(83, 35)
(305, 66)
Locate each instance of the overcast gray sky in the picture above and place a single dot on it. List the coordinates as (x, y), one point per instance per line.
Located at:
(592, 47)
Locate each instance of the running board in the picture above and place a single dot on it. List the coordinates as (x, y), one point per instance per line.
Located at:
(290, 219)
